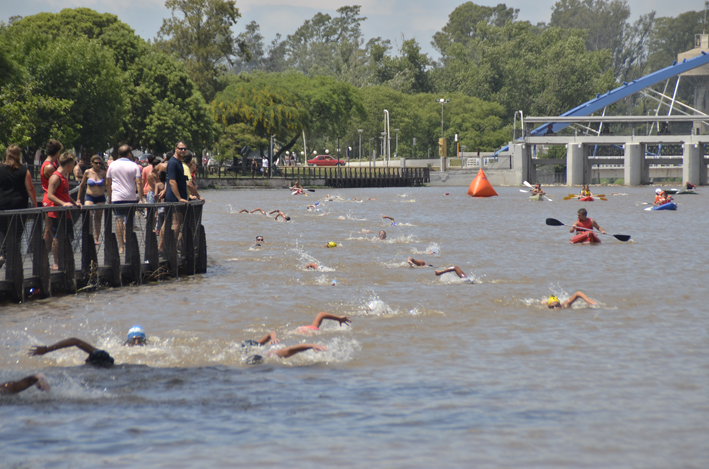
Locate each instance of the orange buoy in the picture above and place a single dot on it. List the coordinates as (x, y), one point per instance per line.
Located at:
(481, 187)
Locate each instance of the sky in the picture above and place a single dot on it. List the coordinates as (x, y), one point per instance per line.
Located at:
(389, 19)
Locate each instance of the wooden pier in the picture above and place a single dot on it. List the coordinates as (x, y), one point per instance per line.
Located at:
(85, 262)
(345, 177)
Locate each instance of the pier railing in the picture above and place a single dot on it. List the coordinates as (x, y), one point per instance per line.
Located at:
(42, 261)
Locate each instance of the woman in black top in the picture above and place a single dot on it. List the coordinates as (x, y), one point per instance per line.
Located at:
(15, 187)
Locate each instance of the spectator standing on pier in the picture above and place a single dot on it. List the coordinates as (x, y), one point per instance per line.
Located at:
(175, 191)
(93, 184)
(15, 187)
(58, 195)
(187, 162)
(254, 167)
(264, 163)
(123, 180)
(149, 168)
(45, 172)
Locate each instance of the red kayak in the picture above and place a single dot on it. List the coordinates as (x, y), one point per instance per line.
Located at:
(585, 237)
(586, 199)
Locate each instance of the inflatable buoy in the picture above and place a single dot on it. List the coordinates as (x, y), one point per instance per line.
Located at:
(481, 187)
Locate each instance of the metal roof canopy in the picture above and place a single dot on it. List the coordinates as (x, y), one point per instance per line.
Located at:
(606, 99)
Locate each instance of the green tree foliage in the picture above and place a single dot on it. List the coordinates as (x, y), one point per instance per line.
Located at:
(523, 67)
(670, 36)
(607, 26)
(66, 71)
(201, 36)
(236, 136)
(286, 104)
(463, 23)
(164, 106)
(407, 72)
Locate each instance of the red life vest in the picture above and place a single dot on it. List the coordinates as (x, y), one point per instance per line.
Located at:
(588, 223)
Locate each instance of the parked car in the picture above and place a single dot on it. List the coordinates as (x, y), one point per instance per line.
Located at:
(325, 160)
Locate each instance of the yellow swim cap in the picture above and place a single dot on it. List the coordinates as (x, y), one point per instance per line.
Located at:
(332, 244)
(553, 299)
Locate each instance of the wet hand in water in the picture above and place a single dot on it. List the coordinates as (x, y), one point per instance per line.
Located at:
(42, 383)
(37, 350)
(319, 348)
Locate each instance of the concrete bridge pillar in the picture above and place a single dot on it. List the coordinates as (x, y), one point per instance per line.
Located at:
(575, 164)
(635, 169)
(693, 168)
(522, 163)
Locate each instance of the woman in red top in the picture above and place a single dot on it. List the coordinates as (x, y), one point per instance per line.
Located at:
(58, 195)
(585, 224)
(45, 172)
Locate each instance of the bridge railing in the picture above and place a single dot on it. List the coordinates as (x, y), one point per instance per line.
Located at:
(45, 255)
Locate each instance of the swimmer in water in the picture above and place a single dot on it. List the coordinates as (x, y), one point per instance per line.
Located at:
(393, 223)
(312, 266)
(258, 210)
(13, 387)
(136, 336)
(453, 268)
(382, 234)
(283, 353)
(417, 263)
(96, 357)
(554, 302)
(280, 214)
(330, 244)
(313, 207)
(315, 326)
(243, 210)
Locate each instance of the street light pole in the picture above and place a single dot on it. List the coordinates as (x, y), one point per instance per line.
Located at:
(370, 151)
(442, 102)
(360, 146)
(396, 151)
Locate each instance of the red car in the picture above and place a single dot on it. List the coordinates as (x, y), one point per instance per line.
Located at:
(325, 160)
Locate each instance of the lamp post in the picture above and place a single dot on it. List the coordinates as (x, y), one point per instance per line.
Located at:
(384, 146)
(442, 102)
(396, 151)
(270, 159)
(414, 147)
(360, 146)
(370, 151)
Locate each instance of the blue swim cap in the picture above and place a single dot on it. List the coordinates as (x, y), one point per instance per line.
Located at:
(136, 331)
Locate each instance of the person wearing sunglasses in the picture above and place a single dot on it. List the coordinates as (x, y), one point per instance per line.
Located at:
(93, 188)
(175, 191)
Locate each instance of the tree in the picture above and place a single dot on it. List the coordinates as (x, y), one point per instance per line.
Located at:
(670, 36)
(287, 104)
(164, 106)
(202, 38)
(463, 24)
(607, 26)
(407, 73)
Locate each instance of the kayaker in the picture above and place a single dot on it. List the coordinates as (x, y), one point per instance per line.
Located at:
(538, 190)
(585, 192)
(661, 197)
(689, 186)
(585, 224)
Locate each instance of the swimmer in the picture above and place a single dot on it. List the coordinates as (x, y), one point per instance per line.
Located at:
(393, 223)
(315, 326)
(312, 266)
(382, 234)
(96, 357)
(312, 207)
(283, 353)
(259, 240)
(453, 268)
(13, 387)
(280, 214)
(243, 210)
(136, 336)
(258, 210)
(330, 244)
(554, 302)
(417, 262)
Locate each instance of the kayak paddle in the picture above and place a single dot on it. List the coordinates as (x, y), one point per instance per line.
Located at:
(555, 222)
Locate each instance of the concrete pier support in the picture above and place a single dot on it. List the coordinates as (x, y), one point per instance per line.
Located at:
(575, 164)
(693, 168)
(635, 170)
(522, 163)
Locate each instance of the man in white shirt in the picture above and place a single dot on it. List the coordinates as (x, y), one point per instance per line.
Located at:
(123, 180)
(264, 162)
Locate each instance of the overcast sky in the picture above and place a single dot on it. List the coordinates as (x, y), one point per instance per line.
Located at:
(389, 19)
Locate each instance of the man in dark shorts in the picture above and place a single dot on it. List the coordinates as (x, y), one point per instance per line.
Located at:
(123, 180)
(175, 191)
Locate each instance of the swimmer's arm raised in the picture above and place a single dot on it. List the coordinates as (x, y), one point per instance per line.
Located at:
(322, 316)
(72, 342)
(389, 218)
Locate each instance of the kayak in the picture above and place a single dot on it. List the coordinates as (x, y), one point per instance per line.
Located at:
(586, 199)
(687, 192)
(585, 237)
(536, 197)
(667, 206)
